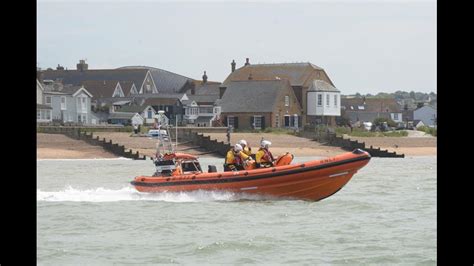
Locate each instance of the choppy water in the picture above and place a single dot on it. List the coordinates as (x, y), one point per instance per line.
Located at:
(87, 213)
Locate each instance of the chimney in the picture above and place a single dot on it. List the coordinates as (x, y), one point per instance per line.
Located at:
(233, 65)
(246, 62)
(82, 66)
(59, 67)
(204, 78)
(250, 76)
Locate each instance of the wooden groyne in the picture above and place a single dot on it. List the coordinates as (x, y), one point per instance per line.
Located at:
(82, 134)
(347, 144)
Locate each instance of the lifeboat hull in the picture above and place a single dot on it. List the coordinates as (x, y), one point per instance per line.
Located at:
(313, 180)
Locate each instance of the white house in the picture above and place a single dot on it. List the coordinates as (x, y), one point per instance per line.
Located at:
(43, 111)
(147, 112)
(324, 102)
(427, 114)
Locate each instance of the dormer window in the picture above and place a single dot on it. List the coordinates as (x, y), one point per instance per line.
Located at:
(287, 100)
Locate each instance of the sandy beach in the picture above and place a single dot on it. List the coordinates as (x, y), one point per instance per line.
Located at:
(56, 146)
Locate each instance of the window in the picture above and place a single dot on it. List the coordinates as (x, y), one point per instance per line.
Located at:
(148, 87)
(230, 121)
(48, 100)
(63, 103)
(327, 99)
(257, 121)
(320, 100)
(287, 121)
(335, 100)
(395, 116)
(205, 110)
(38, 114)
(150, 114)
(48, 114)
(277, 120)
(287, 100)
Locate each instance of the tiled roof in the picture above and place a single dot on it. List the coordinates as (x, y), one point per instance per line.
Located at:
(165, 81)
(76, 77)
(371, 105)
(321, 85)
(127, 86)
(101, 88)
(202, 99)
(252, 95)
(160, 101)
(299, 74)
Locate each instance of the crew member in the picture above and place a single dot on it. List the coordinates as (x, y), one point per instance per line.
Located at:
(246, 148)
(234, 160)
(264, 157)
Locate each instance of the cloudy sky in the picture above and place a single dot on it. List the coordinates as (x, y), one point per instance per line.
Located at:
(364, 46)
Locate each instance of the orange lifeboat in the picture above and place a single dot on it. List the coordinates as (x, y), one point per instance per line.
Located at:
(313, 180)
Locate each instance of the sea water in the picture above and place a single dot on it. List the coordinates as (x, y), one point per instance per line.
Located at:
(88, 213)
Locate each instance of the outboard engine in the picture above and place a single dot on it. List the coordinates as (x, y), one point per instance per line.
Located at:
(211, 169)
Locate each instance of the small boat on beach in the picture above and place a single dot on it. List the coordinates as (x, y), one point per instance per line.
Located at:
(312, 180)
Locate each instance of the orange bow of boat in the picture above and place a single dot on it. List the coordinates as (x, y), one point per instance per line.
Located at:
(312, 180)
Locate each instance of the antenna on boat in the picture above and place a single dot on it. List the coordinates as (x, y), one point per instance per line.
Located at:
(164, 144)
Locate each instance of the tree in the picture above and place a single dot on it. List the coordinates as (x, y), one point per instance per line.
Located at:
(380, 120)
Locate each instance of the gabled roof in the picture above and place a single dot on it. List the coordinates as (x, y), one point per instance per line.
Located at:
(100, 88)
(206, 88)
(253, 95)
(165, 81)
(76, 77)
(127, 87)
(68, 90)
(321, 85)
(299, 74)
(371, 105)
(204, 99)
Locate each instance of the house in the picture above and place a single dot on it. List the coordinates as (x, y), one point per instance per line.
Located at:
(170, 103)
(71, 104)
(257, 104)
(300, 75)
(202, 109)
(427, 114)
(43, 111)
(418, 123)
(368, 109)
(123, 81)
(146, 111)
(126, 119)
